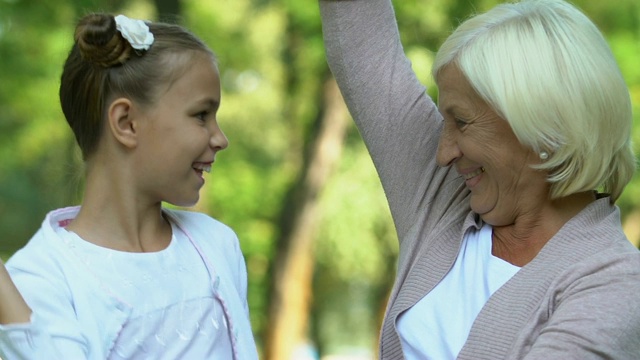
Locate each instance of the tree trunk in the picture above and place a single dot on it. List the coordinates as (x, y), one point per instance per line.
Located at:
(292, 272)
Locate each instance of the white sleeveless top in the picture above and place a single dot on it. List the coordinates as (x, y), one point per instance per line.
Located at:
(438, 325)
(175, 315)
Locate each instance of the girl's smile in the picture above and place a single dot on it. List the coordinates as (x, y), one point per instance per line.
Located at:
(202, 167)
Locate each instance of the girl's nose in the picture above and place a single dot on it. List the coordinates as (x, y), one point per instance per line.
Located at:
(218, 139)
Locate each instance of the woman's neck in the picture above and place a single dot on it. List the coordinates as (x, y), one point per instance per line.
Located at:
(520, 242)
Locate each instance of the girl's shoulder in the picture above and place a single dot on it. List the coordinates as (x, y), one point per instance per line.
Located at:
(216, 242)
(198, 223)
(205, 231)
(44, 250)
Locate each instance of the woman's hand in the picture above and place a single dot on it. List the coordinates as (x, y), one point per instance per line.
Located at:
(13, 308)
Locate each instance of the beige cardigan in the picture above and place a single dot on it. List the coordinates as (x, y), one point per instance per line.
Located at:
(578, 299)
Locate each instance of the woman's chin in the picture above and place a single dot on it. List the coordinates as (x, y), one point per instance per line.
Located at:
(487, 213)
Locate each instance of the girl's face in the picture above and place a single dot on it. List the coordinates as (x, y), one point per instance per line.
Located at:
(180, 136)
(486, 153)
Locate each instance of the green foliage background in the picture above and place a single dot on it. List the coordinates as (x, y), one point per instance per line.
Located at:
(263, 46)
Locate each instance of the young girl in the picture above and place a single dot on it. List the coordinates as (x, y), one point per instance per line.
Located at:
(121, 277)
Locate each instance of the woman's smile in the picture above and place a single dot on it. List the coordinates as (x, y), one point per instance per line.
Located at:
(473, 178)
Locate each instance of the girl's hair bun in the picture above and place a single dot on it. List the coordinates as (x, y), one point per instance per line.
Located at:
(99, 41)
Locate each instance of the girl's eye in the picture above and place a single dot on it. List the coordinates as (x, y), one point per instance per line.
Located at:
(202, 116)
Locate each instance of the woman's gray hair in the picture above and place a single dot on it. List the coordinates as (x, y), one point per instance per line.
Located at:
(545, 67)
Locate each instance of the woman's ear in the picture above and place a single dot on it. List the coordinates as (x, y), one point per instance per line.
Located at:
(122, 122)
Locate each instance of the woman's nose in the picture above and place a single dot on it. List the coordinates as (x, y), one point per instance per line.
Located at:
(448, 150)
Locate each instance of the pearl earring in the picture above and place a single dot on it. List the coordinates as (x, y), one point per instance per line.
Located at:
(544, 155)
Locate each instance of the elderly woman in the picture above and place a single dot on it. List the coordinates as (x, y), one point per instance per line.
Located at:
(503, 195)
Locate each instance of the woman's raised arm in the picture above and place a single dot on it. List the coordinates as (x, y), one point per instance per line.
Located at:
(399, 123)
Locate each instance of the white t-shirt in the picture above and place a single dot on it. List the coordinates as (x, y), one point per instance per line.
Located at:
(438, 325)
(174, 314)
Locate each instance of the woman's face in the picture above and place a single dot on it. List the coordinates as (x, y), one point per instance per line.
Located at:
(487, 154)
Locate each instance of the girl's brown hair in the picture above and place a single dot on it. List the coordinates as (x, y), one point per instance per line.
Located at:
(102, 65)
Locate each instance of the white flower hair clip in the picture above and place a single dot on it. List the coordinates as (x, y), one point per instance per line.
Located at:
(135, 31)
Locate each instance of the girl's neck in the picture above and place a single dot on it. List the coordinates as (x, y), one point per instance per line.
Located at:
(114, 215)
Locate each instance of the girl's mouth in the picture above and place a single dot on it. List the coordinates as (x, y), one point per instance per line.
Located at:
(201, 168)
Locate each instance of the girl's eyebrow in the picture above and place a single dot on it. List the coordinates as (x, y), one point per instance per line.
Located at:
(212, 104)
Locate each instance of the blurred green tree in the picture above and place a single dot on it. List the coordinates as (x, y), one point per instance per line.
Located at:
(296, 183)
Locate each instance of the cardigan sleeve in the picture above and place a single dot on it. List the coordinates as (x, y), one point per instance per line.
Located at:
(399, 123)
(53, 330)
(596, 316)
(32, 341)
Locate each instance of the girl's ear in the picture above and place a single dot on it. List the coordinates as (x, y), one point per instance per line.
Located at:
(122, 122)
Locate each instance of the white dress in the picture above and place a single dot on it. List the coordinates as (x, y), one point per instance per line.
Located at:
(175, 315)
(187, 301)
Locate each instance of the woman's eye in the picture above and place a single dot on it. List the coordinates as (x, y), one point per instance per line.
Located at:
(460, 123)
